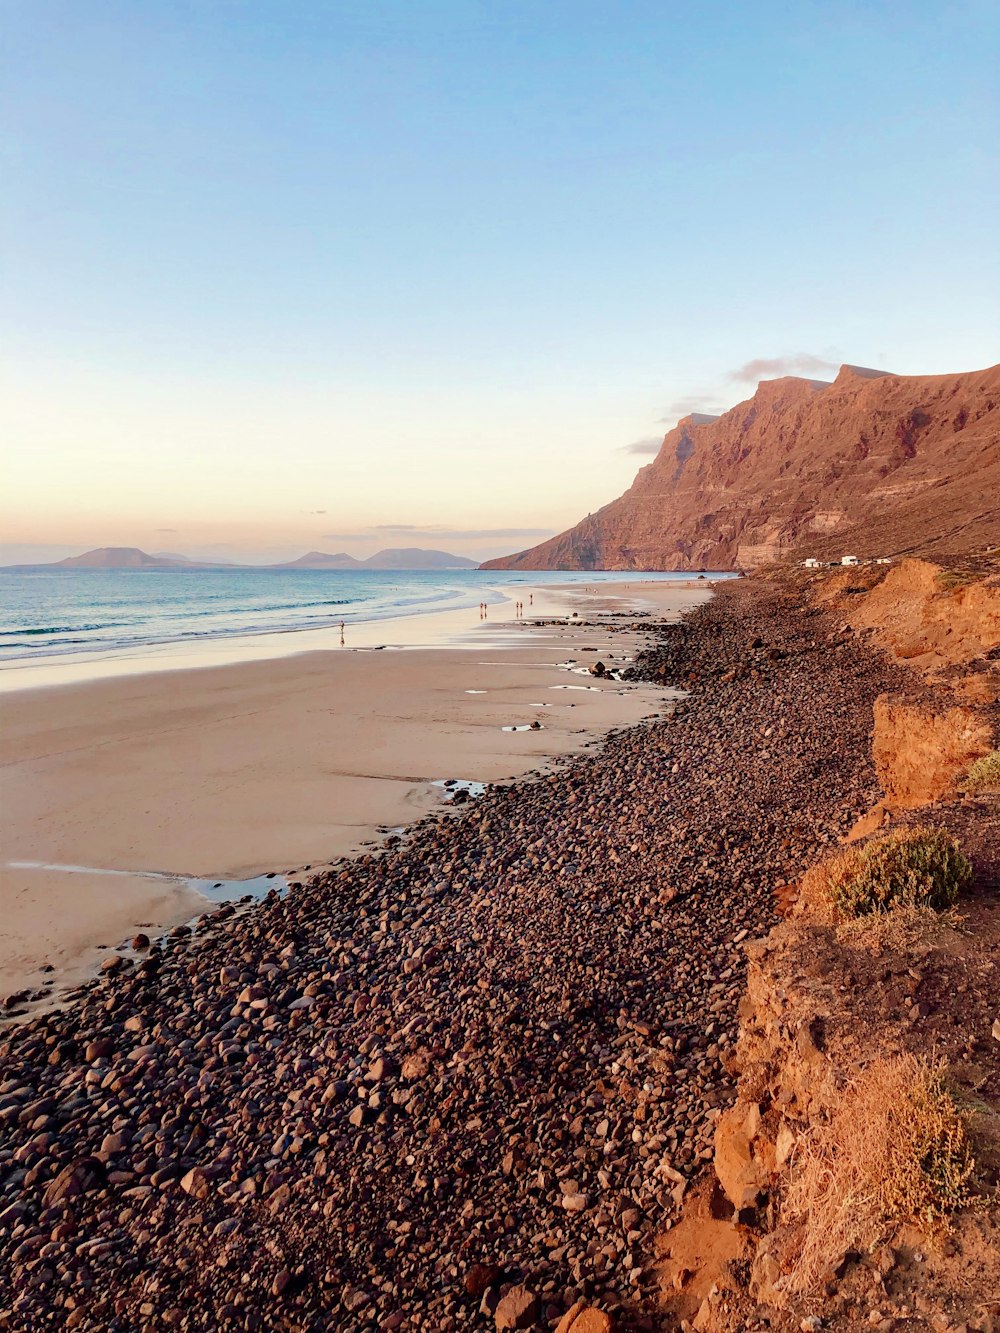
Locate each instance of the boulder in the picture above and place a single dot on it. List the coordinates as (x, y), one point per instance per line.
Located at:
(584, 1318)
(742, 1175)
(518, 1309)
(85, 1174)
(479, 1278)
(195, 1183)
(99, 1049)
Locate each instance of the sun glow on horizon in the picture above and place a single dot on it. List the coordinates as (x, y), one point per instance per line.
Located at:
(275, 275)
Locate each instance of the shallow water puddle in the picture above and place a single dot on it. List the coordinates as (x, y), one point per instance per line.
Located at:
(524, 726)
(459, 789)
(231, 890)
(215, 890)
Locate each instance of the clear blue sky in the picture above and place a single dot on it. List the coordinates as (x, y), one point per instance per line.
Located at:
(437, 265)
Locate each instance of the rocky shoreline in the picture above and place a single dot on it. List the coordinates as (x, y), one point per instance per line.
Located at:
(490, 1057)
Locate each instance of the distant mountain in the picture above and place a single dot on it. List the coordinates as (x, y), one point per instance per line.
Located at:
(187, 561)
(130, 557)
(412, 557)
(320, 560)
(120, 557)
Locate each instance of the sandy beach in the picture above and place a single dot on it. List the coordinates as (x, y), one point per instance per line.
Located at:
(233, 770)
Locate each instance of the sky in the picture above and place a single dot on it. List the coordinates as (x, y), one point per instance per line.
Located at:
(345, 275)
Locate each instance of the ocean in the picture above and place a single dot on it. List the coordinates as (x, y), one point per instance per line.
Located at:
(57, 613)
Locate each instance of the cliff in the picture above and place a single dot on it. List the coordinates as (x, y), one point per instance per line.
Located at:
(871, 465)
(855, 1173)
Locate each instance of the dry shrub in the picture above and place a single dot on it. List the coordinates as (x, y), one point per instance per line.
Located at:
(913, 867)
(983, 774)
(903, 929)
(895, 1151)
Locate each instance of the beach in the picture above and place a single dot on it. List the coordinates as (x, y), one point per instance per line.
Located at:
(480, 1064)
(244, 768)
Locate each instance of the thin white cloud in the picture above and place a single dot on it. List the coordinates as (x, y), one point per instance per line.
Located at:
(647, 446)
(385, 530)
(683, 407)
(771, 367)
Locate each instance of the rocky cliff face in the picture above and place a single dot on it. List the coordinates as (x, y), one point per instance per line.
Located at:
(870, 465)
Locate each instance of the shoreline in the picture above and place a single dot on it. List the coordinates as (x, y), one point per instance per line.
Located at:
(493, 1055)
(142, 783)
(454, 627)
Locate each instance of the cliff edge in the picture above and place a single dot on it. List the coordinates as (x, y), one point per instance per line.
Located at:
(870, 464)
(856, 1173)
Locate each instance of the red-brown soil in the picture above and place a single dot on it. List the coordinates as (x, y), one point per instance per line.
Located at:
(828, 1000)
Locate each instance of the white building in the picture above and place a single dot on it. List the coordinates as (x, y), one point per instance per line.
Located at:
(812, 563)
(849, 560)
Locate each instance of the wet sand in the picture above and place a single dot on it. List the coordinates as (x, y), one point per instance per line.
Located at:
(231, 771)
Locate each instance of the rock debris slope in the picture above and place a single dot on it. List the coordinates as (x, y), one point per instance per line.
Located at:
(489, 1058)
(869, 465)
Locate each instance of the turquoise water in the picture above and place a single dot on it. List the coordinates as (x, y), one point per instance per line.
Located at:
(53, 613)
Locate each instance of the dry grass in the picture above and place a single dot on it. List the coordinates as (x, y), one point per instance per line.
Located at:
(903, 929)
(983, 774)
(895, 1151)
(815, 899)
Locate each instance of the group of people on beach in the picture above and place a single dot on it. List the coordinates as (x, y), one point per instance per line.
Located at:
(518, 607)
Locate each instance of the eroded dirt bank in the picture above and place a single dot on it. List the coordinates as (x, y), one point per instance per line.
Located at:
(808, 1219)
(490, 1058)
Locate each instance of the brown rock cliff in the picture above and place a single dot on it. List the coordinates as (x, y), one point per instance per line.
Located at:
(871, 465)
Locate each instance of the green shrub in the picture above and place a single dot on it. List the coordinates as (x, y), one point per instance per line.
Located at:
(914, 867)
(983, 774)
(950, 580)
